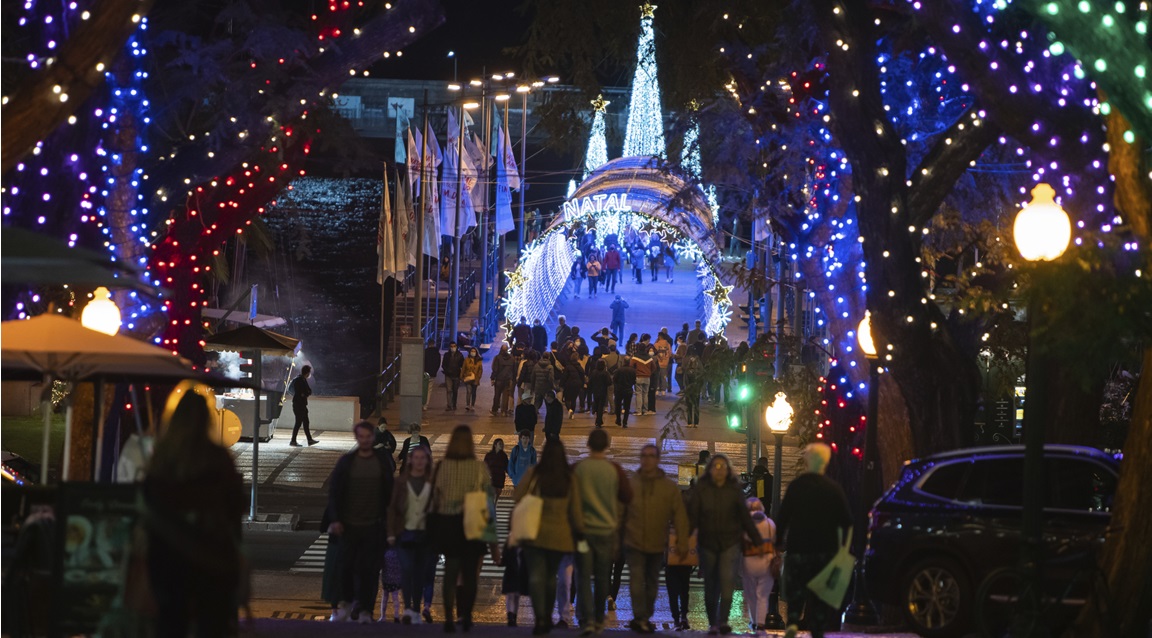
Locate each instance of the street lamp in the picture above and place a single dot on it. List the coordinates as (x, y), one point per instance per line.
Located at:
(101, 314)
(778, 416)
(1041, 232)
(860, 612)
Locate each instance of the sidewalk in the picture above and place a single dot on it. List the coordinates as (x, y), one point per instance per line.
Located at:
(307, 629)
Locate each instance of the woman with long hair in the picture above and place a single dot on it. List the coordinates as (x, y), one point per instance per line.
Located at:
(720, 517)
(458, 474)
(561, 527)
(497, 461)
(407, 528)
(194, 501)
(471, 374)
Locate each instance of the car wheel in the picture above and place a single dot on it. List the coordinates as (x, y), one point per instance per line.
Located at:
(936, 598)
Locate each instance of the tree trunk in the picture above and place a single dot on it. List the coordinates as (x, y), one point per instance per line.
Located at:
(1126, 559)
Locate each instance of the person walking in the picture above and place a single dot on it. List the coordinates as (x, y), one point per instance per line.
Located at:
(522, 457)
(561, 528)
(522, 333)
(526, 416)
(458, 474)
(663, 347)
(813, 515)
(693, 380)
(594, 276)
(194, 500)
(572, 381)
(497, 461)
(553, 416)
(656, 505)
(301, 390)
(359, 492)
(598, 382)
(414, 439)
(719, 516)
(431, 367)
(543, 379)
(756, 571)
(453, 367)
(623, 383)
(539, 336)
(678, 573)
(384, 440)
(604, 491)
(643, 363)
(407, 529)
(636, 257)
(577, 275)
(470, 375)
(612, 264)
(618, 307)
(503, 377)
(563, 330)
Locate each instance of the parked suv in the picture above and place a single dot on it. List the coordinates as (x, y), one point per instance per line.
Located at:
(952, 518)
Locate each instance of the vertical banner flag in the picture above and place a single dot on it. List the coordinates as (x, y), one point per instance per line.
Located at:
(505, 173)
(431, 199)
(474, 147)
(456, 181)
(405, 215)
(385, 240)
(401, 129)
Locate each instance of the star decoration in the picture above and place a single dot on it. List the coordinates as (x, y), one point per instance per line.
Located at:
(600, 104)
(508, 330)
(647, 9)
(719, 294)
(515, 279)
(648, 228)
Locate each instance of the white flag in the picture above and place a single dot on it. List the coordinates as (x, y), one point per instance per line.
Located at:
(481, 162)
(761, 229)
(505, 151)
(458, 178)
(401, 156)
(504, 221)
(385, 239)
(405, 215)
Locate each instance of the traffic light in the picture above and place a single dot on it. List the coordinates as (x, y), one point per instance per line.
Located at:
(249, 363)
(734, 420)
(744, 392)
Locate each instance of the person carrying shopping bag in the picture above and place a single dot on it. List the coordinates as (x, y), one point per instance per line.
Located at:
(453, 479)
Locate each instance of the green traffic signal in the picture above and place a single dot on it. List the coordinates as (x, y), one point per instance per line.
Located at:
(743, 393)
(734, 421)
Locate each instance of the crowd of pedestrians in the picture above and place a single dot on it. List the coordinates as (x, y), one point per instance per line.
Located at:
(567, 374)
(388, 529)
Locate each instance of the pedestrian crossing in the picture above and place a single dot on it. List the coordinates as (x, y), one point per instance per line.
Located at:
(312, 560)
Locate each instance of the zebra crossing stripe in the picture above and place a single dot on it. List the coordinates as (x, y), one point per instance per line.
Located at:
(311, 561)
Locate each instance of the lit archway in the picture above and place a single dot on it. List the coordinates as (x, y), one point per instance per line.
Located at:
(629, 192)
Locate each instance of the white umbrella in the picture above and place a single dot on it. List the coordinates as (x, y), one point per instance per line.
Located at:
(57, 347)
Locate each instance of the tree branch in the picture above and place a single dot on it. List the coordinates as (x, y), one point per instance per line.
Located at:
(35, 109)
(938, 171)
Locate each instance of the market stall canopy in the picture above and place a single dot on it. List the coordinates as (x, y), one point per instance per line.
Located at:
(32, 258)
(252, 338)
(241, 316)
(61, 347)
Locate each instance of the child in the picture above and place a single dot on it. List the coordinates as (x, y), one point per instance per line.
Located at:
(515, 582)
(390, 583)
(677, 573)
(522, 457)
(757, 571)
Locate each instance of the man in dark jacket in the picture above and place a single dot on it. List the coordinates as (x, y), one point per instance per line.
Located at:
(539, 337)
(300, 393)
(522, 334)
(814, 515)
(656, 505)
(611, 268)
(623, 382)
(503, 376)
(359, 492)
(452, 365)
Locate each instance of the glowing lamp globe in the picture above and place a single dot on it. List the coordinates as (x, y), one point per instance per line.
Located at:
(779, 414)
(864, 335)
(1042, 229)
(101, 314)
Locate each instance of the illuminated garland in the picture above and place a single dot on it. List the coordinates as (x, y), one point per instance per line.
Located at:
(543, 271)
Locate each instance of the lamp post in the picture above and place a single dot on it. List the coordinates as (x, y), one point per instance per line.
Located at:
(778, 416)
(101, 314)
(860, 612)
(461, 192)
(524, 90)
(1041, 232)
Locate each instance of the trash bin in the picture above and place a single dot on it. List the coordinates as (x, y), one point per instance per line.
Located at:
(427, 387)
